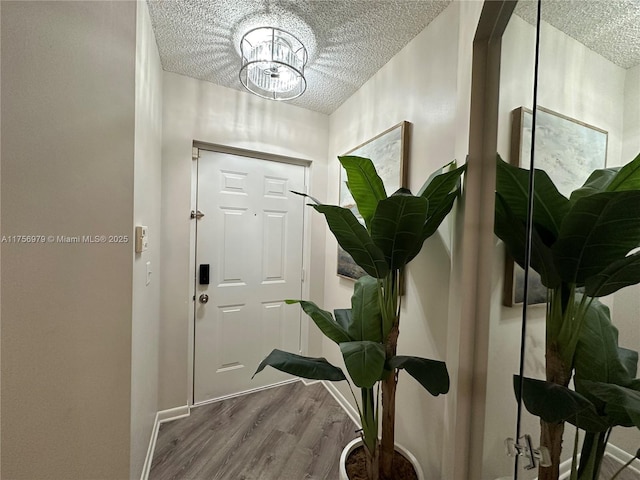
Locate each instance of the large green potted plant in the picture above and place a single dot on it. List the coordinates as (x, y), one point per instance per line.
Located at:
(584, 247)
(395, 228)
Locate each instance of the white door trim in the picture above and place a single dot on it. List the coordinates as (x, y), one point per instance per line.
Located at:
(306, 246)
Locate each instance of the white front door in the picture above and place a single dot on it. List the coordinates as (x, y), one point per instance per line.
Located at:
(251, 237)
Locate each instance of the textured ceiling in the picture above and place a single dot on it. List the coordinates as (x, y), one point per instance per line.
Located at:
(348, 41)
(608, 27)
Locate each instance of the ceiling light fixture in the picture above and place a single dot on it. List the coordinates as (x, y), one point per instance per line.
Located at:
(273, 63)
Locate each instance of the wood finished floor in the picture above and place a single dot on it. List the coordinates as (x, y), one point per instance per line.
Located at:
(610, 467)
(291, 432)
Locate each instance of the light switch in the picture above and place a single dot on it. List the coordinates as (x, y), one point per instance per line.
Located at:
(142, 239)
(148, 273)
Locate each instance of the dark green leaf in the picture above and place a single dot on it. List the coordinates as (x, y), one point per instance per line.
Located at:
(314, 200)
(365, 185)
(324, 321)
(364, 361)
(512, 232)
(555, 404)
(629, 359)
(597, 182)
(619, 274)
(366, 321)
(550, 205)
(431, 374)
(343, 317)
(435, 217)
(306, 367)
(628, 178)
(438, 187)
(396, 227)
(622, 404)
(598, 230)
(354, 238)
(597, 357)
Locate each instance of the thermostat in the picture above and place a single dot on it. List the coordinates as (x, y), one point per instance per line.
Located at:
(142, 239)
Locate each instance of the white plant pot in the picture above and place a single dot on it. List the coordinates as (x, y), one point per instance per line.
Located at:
(353, 444)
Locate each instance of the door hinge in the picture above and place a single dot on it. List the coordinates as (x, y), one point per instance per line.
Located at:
(195, 153)
(302, 275)
(197, 214)
(524, 448)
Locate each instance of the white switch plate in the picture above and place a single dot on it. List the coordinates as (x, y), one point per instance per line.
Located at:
(142, 238)
(148, 273)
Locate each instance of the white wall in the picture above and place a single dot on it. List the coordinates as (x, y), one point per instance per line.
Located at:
(197, 110)
(68, 72)
(146, 211)
(428, 84)
(581, 84)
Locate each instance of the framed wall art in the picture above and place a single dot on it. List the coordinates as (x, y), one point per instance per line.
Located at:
(389, 152)
(568, 150)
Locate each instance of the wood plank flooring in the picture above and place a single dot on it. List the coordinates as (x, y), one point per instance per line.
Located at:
(291, 432)
(610, 467)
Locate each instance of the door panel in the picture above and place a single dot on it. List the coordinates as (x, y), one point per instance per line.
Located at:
(251, 235)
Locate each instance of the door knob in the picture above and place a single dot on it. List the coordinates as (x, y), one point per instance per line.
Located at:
(204, 298)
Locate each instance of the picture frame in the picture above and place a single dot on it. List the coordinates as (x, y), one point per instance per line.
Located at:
(389, 152)
(568, 150)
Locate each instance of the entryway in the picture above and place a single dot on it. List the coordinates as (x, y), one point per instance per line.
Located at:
(249, 259)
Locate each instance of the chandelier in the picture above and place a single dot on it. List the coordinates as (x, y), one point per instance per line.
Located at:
(273, 63)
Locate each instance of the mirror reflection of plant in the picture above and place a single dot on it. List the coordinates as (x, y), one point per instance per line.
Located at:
(584, 247)
(395, 228)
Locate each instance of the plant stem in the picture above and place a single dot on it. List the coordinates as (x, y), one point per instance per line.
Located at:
(391, 316)
(388, 424)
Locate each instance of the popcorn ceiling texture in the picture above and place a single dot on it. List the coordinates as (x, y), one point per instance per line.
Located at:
(608, 27)
(348, 41)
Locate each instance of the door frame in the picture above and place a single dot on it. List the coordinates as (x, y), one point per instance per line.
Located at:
(306, 249)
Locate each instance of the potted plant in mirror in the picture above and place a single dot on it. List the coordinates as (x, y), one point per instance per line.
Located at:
(395, 228)
(584, 247)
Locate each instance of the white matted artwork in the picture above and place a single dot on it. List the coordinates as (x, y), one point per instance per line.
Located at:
(389, 153)
(568, 150)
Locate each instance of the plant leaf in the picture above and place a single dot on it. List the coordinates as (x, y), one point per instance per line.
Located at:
(555, 403)
(629, 359)
(596, 356)
(622, 404)
(343, 317)
(440, 185)
(436, 217)
(512, 232)
(396, 226)
(619, 274)
(628, 178)
(550, 205)
(364, 361)
(431, 374)
(355, 239)
(597, 231)
(324, 320)
(365, 185)
(366, 319)
(597, 182)
(306, 367)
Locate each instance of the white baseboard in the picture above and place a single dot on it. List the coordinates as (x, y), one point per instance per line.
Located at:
(344, 403)
(622, 457)
(245, 392)
(161, 417)
(617, 454)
